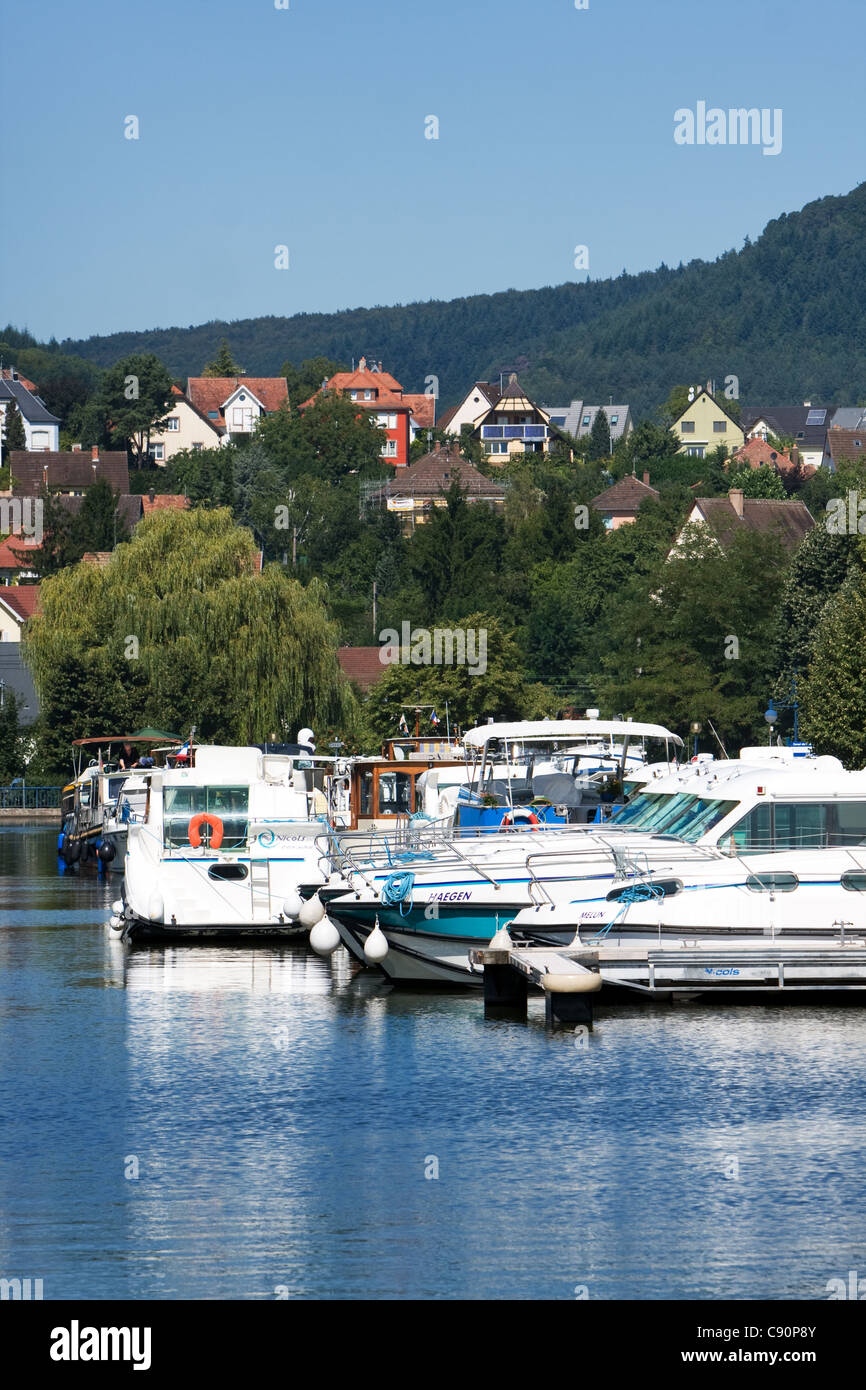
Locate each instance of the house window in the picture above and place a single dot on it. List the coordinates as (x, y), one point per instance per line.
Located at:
(172, 424)
(687, 426)
(38, 440)
(197, 448)
(497, 446)
(389, 450)
(720, 426)
(158, 451)
(695, 451)
(614, 419)
(368, 395)
(213, 415)
(585, 422)
(353, 395)
(237, 417)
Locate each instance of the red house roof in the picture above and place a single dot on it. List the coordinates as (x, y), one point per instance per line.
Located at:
(210, 393)
(362, 665)
(23, 599)
(14, 552)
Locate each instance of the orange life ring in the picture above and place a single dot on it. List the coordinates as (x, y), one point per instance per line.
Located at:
(531, 819)
(216, 825)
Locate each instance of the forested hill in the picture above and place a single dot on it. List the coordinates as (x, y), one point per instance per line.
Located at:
(785, 315)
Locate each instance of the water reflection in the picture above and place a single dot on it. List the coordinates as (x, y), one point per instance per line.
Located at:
(284, 1112)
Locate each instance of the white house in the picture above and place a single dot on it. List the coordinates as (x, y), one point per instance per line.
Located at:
(41, 428)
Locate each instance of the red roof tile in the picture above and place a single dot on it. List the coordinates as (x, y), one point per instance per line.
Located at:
(163, 501)
(211, 392)
(23, 599)
(14, 552)
(362, 665)
(423, 409)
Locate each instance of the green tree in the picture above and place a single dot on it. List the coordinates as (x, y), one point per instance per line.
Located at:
(181, 629)
(304, 381)
(500, 690)
(328, 440)
(11, 738)
(599, 437)
(833, 694)
(759, 482)
(136, 398)
(14, 434)
(223, 364)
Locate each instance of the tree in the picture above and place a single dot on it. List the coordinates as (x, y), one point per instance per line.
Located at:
(328, 440)
(205, 476)
(694, 638)
(223, 364)
(14, 434)
(648, 444)
(833, 695)
(136, 398)
(600, 446)
(500, 690)
(181, 629)
(11, 738)
(759, 482)
(304, 381)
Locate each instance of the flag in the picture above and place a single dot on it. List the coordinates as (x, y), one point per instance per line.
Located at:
(403, 726)
(434, 718)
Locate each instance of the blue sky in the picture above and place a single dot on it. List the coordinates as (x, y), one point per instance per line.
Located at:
(305, 127)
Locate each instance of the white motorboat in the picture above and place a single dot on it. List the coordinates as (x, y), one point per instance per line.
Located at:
(218, 847)
(452, 898)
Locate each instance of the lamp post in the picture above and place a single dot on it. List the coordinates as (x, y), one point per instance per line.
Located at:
(696, 728)
(771, 714)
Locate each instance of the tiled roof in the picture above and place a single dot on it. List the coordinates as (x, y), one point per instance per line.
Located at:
(23, 599)
(790, 422)
(211, 392)
(434, 473)
(28, 385)
(163, 501)
(362, 665)
(14, 552)
(626, 496)
(71, 469)
(128, 507)
(423, 409)
(846, 446)
(791, 521)
(757, 452)
(365, 381)
(34, 410)
(101, 558)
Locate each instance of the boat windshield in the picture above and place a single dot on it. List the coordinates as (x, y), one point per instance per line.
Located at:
(230, 805)
(694, 816)
(645, 811)
(672, 813)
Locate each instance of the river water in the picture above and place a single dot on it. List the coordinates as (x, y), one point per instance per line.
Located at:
(256, 1123)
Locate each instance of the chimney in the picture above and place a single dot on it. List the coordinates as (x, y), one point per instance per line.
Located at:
(736, 499)
(436, 447)
(94, 454)
(362, 365)
(76, 448)
(151, 493)
(646, 477)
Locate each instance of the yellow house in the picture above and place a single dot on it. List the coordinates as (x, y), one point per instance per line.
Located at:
(704, 425)
(186, 428)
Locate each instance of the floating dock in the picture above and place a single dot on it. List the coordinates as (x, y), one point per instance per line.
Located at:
(571, 977)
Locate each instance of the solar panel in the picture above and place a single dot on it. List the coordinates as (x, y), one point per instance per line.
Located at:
(816, 417)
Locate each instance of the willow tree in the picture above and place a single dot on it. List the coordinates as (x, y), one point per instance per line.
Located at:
(180, 628)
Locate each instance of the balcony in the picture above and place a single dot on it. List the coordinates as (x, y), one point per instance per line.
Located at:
(514, 431)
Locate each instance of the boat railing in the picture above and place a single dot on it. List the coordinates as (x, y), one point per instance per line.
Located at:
(637, 863)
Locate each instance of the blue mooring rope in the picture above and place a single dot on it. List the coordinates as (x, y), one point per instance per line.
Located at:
(396, 889)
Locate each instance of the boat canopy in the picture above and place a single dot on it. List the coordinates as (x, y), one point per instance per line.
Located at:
(545, 730)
